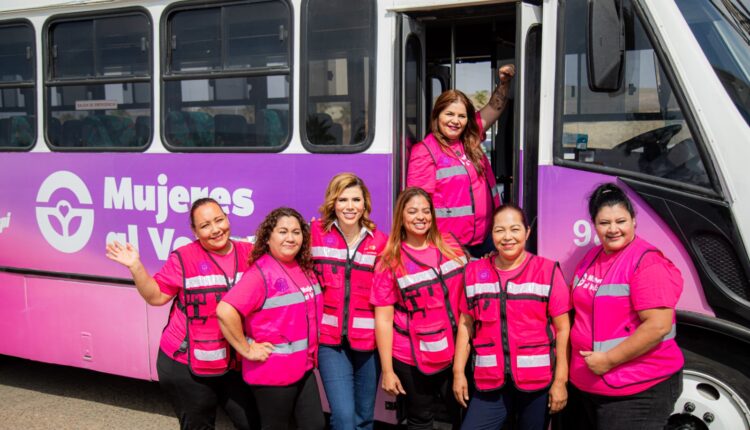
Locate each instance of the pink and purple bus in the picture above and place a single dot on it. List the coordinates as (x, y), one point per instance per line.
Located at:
(116, 114)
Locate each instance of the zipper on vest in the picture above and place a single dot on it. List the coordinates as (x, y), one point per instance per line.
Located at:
(504, 330)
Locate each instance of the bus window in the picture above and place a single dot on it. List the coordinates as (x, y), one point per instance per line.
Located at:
(17, 86)
(640, 128)
(226, 78)
(338, 74)
(98, 86)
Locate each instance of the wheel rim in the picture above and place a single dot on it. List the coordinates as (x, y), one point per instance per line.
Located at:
(707, 402)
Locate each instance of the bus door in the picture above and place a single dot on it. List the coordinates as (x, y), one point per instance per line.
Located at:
(411, 93)
(527, 104)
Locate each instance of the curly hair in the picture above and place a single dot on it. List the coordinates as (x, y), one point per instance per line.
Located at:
(336, 187)
(263, 234)
(470, 137)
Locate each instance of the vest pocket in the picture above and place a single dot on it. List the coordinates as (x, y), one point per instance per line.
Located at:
(533, 363)
(433, 342)
(487, 363)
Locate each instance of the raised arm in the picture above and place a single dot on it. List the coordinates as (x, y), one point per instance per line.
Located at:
(146, 285)
(492, 111)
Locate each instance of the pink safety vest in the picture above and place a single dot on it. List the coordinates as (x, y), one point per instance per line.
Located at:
(346, 281)
(614, 319)
(453, 197)
(283, 320)
(204, 285)
(430, 300)
(513, 335)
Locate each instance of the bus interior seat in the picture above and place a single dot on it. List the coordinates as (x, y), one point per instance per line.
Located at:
(71, 133)
(142, 130)
(271, 131)
(190, 129)
(321, 130)
(94, 132)
(4, 131)
(230, 130)
(359, 132)
(21, 131)
(121, 130)
(54, 131)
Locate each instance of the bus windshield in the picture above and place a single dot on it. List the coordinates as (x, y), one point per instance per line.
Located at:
(722, 28)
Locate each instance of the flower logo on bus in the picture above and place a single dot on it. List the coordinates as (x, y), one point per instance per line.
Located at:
(56, 220)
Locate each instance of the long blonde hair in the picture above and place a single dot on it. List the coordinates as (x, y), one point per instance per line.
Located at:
(470, 136)
(391, 255)
(336, 187)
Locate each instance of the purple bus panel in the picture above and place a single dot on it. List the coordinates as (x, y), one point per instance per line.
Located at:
(63, 208)
(566, 232)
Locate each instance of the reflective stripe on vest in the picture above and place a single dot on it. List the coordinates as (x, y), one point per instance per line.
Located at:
(541, 360)
(285, 300)
(613, 290)
(606, 345)
(528, 288)
(434, 346)
(485, 360)
(287, 348)
(208, 281)
(454, 212)
(210, 355)
(327, 252)
(446, 268)
(366, 323)
(447, 172)
(477, 289)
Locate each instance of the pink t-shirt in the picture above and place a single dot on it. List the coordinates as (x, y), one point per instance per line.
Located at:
(559, 297)
(385, 292)
(169, 279)
(656, 283)
(421, 173)
(250, 293)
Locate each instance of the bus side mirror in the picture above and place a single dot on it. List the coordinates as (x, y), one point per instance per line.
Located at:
(606, 45)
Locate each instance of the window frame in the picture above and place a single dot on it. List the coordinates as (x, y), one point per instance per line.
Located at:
(304, 87)
(664, 61)
(167, 75)
(50, 81)
(33, 84)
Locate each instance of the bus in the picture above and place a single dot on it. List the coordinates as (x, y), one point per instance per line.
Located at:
(116, 114)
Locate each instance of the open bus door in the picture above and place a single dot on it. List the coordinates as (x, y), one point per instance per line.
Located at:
(527, 104)
(410, 93)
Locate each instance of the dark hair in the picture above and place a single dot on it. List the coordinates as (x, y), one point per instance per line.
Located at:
(470, 137)
(608, 194)
(198, 203)
(514, 207)
(303, 257)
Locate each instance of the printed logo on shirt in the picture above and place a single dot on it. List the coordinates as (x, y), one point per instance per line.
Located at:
(330, 240)
(281, 285)
(589, 282)
(484, 275)
(411, 266)
(204, 267)
(308, 291)
(443, 161)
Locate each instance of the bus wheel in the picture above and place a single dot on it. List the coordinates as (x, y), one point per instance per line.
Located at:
(714, 396)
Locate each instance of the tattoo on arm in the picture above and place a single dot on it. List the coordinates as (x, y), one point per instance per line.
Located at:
(499, 97)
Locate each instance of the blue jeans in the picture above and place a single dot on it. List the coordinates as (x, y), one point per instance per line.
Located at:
(350, 379)
(490, 409)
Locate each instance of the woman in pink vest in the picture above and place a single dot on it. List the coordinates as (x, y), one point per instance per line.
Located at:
(196, 367)
(416, 291)
(625, 362)
(514, 318)
(278, 300)
(345, 244)
(451, 166)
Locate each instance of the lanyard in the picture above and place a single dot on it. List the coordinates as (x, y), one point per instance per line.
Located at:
(236, 265)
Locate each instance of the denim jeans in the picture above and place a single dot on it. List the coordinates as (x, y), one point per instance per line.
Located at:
(350, 379)
(489, 410)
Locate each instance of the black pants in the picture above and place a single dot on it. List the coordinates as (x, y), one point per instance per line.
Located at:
(301, 401)
(647, 410)
(195, 398)
(422, 392)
